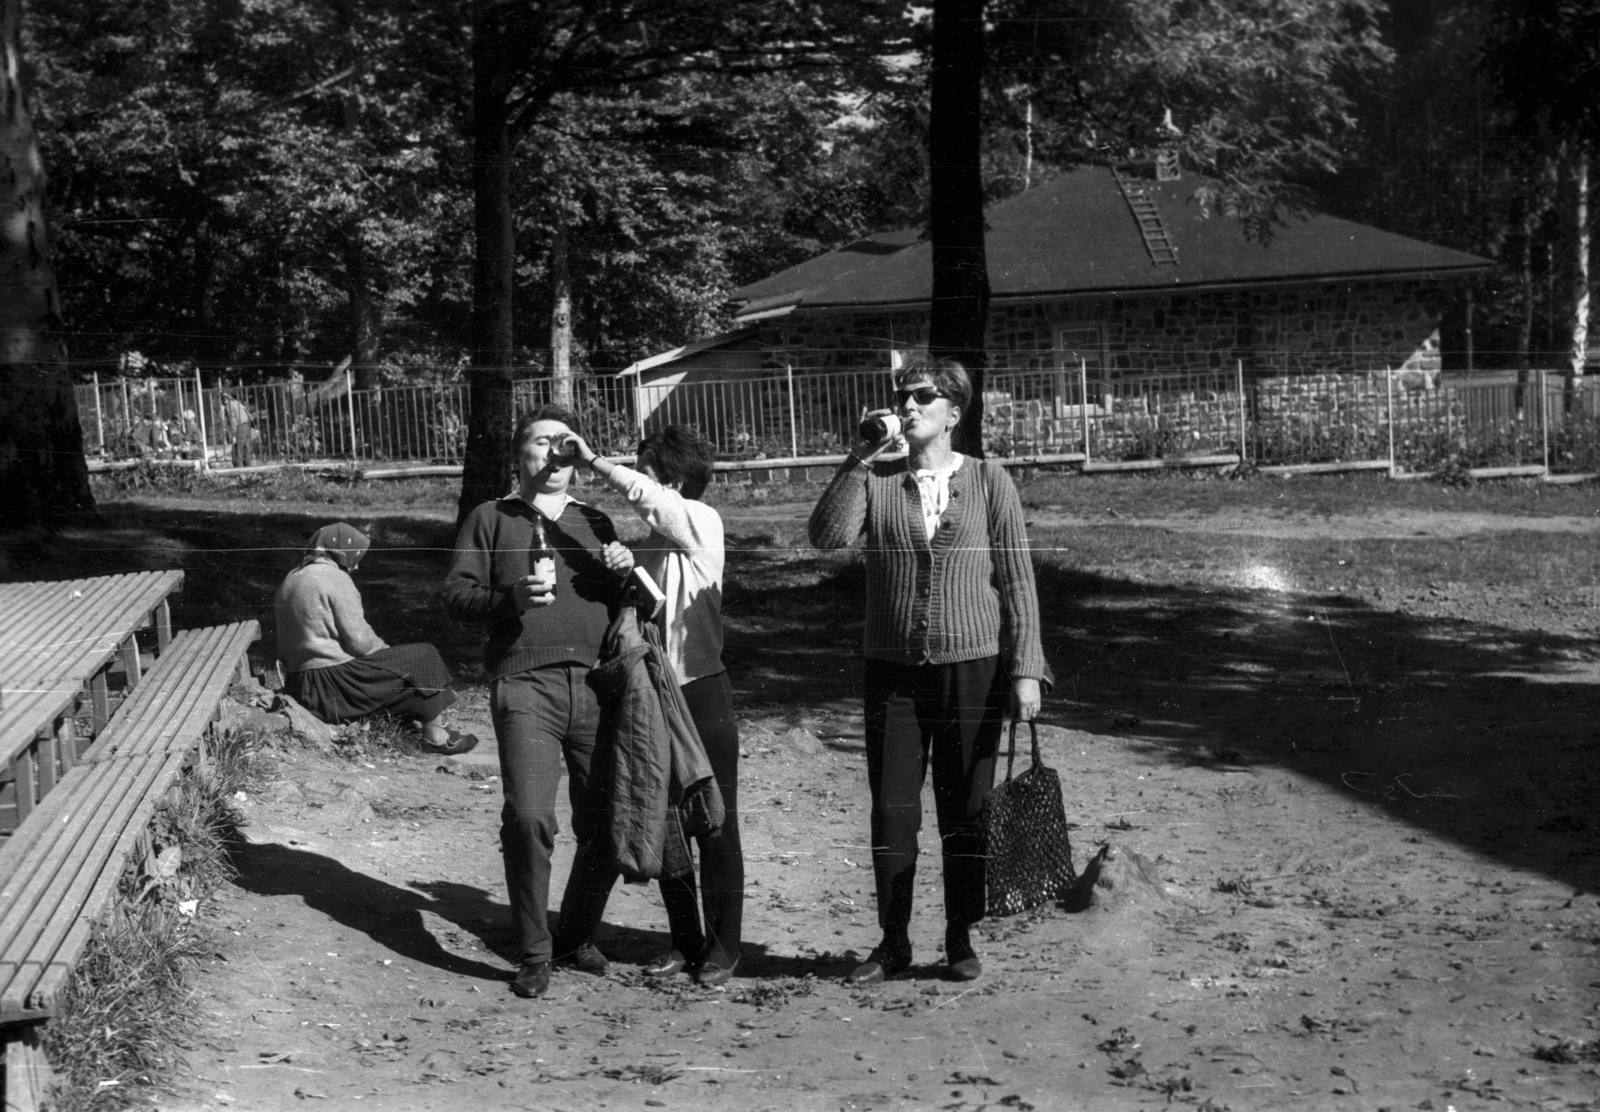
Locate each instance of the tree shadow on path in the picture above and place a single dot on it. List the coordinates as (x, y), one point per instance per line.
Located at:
(1481, 734)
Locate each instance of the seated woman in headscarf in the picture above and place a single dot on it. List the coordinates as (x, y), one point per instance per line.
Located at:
(338, 668)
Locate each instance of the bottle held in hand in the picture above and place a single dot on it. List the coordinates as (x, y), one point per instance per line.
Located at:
(541, 557)
(880, 427)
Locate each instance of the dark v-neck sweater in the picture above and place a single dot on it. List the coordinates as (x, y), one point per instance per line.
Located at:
(493, 552)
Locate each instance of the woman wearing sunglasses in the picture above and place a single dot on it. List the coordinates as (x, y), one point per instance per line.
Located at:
(951, 645)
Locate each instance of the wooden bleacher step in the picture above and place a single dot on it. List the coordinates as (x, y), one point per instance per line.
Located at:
(64, 879)
(60, 869)
(179, 695)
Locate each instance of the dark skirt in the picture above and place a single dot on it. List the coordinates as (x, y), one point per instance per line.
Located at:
(407, 680)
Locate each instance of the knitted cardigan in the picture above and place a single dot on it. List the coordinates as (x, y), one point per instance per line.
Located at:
(967, 594)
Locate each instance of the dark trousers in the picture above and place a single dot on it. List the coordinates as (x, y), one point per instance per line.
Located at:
(710, 700)
(949, 714)
(542, 717)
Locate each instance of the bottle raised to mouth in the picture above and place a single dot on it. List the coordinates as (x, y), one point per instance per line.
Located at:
(883, 426)
(564, 451)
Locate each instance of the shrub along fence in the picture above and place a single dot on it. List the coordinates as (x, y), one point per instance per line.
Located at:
(1403, 421)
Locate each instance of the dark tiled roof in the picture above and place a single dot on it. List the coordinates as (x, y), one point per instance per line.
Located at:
(1076, 235)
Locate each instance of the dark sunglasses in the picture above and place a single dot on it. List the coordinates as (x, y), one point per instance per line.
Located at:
(923, 395)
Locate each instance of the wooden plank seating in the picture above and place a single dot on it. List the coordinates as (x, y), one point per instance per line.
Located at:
(58, 640)
(60, 869)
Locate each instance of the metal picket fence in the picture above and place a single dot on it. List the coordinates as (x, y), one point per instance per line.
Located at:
(1403, 420)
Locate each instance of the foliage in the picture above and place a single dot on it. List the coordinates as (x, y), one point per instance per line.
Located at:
(212, 160)
(1254, 95)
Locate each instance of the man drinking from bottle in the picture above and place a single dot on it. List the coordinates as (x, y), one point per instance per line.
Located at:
(543, 571)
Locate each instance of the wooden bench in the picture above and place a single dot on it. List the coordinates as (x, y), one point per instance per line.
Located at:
(60, 642)
(60, 869)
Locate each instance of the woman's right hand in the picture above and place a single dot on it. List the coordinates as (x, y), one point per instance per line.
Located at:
(531, 592)
(869, 452)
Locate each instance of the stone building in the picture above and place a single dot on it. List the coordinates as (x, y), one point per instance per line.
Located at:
(1108, 278)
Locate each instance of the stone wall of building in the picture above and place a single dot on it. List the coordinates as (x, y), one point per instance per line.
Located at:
(1342, 327)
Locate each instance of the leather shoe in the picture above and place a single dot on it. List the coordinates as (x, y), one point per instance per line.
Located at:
(965, 969)
(665, 965)
(586, 957)
(713, 972)
(963, 963)
(455, 743)
(881, 965)
(532, 979)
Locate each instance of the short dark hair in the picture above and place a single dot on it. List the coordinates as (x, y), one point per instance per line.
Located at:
(678, 454)
(550, 411)
(947, 374)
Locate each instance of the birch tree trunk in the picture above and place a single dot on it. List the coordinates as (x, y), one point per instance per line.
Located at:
(1580, 278)
(561, 384)
(43, 477)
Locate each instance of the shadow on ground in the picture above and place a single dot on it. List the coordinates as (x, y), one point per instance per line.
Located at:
(1479, 733)
(392, 915)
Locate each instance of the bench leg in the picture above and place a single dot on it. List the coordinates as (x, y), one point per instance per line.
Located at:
(26, 783)
(131, 664)
(48, 758)
(27, 1079)
(163, 616)
(66, 743)
(100, 699)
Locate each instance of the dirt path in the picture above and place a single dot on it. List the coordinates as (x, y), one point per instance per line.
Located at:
(1376, 833)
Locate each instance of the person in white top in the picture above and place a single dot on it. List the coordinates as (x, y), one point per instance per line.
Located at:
(684, 554)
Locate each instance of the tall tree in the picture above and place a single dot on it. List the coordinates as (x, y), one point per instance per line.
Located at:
(42, 470)
(959, 312)
(525, 56)
(1544, 58)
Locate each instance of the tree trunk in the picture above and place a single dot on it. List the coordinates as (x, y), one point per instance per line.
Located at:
(959, 313)
(43, 476)
(1580, 279)
(364, 330)
(1525, 283)
(486, 472)
(560, 320)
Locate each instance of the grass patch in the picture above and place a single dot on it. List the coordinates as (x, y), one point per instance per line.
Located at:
(126, 1013)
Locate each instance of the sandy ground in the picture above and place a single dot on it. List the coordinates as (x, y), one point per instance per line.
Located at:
(1374, 832)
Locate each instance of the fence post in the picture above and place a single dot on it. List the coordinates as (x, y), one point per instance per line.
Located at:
(1544, 417)
(1083, 382)
(794, 418)
(350, 392)
(1243, 441)
(1388, 389)
(99, 418)
(200, 414)
(127, 409)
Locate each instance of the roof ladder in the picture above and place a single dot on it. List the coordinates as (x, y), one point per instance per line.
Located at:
(1163, 251)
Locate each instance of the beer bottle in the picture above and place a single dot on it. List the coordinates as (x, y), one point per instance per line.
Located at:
(541, 557)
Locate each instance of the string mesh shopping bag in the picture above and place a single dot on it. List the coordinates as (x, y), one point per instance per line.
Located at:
(1029, 854)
